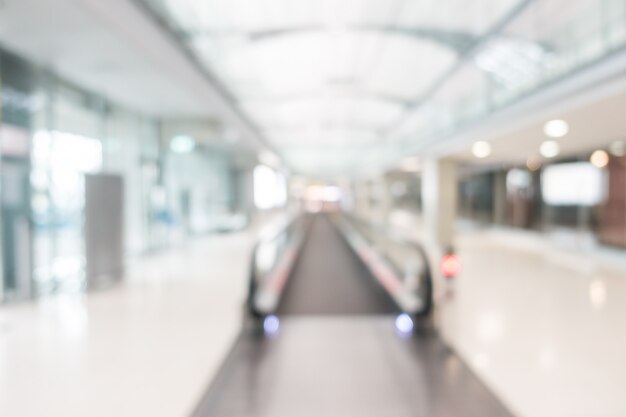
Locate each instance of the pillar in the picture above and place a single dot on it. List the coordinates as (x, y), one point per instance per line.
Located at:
(439, 199)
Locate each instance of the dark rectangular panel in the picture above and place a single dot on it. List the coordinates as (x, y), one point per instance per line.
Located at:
(104, 229)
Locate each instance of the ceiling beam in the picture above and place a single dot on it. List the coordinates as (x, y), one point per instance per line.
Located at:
(458, 41)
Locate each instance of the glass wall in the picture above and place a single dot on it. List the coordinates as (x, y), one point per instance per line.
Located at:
(132, 150)
(17, 105)
(201, 187)
(66, 145)
(53, 133)
(476, 200)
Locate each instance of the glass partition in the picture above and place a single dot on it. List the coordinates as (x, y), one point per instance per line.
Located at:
(52, 134)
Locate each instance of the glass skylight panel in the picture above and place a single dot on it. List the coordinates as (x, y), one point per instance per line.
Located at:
(333, 161)
(377, 114)
(467, 82)
(473, 17)
(415, 122)
(340, 74)
(279, 14)
(407, 67)
(513, 61)
(322, 137)
(184, 13)
(539, 23)
(323, 112)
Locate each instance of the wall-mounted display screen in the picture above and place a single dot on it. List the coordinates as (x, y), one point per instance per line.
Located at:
(573, 184)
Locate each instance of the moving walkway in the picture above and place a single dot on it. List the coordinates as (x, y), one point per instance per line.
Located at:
(339, 312)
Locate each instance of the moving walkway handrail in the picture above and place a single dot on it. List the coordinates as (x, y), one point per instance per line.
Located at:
(412, 290)
(273, 256)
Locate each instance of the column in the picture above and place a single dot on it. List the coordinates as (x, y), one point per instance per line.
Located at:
(439, 199)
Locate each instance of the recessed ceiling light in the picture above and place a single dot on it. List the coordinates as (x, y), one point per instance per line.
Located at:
(549, 149)
(618, 148)
(533, 164)
(182, 144)
(599, 158)
(556, 128)
(481, 149)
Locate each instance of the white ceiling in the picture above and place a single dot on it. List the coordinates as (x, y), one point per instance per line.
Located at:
(326, 80)
(593, 126)
(114, 48)
(334, 86)
(75, 41)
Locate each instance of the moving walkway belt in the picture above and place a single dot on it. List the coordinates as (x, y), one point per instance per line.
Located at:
(329, 278)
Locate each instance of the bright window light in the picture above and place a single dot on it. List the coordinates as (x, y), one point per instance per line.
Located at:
(572, 184)
(324, 193)
(270, 188)
(556, 128)
(182, 144)
(67, 152)
(281, 190)
(60, 161)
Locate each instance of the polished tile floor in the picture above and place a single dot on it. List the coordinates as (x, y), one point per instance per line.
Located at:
(349, 366)
(148, 347)
(542, 325)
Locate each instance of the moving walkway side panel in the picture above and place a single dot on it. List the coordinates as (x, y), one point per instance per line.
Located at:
(272, 261)
(411, 288)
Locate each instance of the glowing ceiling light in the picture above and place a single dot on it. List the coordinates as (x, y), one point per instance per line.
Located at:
(556, 128)
(182, 144)
(618, 148)
(481, 149)
(599, 158)
(533, 164)
(549, 149)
